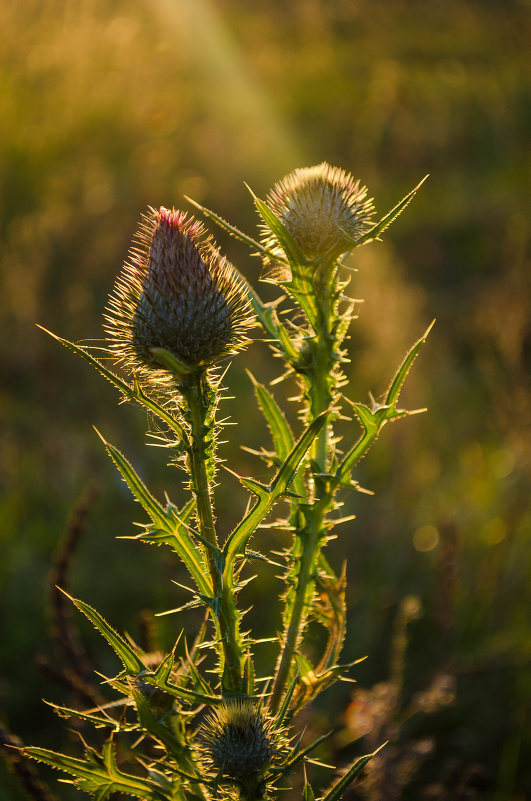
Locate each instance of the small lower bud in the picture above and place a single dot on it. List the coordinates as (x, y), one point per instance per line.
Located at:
(236, 741)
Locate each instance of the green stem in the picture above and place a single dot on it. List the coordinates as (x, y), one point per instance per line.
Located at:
(201, 402)
(320, 389)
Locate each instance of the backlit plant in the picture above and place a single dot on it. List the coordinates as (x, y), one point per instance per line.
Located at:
(178, 310)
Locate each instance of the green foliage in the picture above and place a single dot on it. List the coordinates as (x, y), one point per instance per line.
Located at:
(162, 694)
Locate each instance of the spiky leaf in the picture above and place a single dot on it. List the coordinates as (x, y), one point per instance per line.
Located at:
(373, 420)
(339, 788)
(130, 659)
(374, 232)
(140, 492)
(100, 775)
(268, 497)
(133, 392)
(398, 381)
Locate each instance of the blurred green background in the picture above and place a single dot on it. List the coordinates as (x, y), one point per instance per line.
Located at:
(106, 107)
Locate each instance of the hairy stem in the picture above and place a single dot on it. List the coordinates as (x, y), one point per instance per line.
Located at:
(320, 388)
(201, 402)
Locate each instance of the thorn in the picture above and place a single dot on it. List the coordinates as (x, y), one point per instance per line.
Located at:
(70, 598)
(183, 587)
(254, 197)
(421, 182)
(428, 329)
(100, 435)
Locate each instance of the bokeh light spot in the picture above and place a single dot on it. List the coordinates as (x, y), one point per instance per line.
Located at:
(494, 531)
(426, 538)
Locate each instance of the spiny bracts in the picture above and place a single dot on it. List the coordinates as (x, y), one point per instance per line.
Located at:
(237, 741)
(324, 209)
(176, 293)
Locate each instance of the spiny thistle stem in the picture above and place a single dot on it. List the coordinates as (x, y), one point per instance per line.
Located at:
(201, 455)
(319, 385)
(200, 399)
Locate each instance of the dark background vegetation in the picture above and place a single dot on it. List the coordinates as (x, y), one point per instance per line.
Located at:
(106, 107)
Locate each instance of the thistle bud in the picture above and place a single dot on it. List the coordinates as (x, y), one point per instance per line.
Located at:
(325, 210)
(178, 294)
(237, 742)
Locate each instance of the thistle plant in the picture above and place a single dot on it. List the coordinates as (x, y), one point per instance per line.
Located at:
(179, 309)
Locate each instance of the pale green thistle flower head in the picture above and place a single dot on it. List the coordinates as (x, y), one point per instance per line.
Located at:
(176, 293)
(324, 209)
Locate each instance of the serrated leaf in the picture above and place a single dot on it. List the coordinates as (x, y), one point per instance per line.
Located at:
(373, 420)
(96, 720)
(248, 675)
(300, 283)
(99, 775)
(286, 701)
(398, 381)
(339, 788)
(298, 754)
(198, 682)
(131, 661)
(307, 792)
(294, 254)
(333, 610)
(288, 346)
(238, 539)
(133, 392)
(140, 492)
(172, 526)
(151, 724)
(283, 439)
(366, 416)
(160, 678)
(374, 232)
(232, 230)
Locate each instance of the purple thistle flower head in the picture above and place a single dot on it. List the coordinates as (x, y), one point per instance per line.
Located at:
(176, 293)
